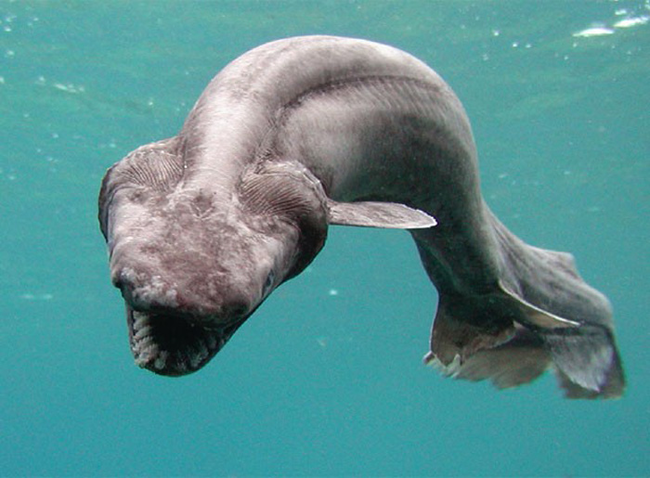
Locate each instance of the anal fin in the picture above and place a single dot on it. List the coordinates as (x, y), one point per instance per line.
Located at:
(460, 330)
(519, 361)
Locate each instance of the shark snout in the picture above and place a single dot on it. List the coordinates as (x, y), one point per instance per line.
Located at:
(200, 302)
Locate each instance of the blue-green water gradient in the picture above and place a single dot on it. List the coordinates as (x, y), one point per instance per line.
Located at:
(326, 378)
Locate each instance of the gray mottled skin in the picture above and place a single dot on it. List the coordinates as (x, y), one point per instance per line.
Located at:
(310, 131)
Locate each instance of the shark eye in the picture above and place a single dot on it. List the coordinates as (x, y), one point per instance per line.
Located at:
(268, 283)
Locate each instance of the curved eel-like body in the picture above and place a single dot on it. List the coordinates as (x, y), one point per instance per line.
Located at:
(305, 132)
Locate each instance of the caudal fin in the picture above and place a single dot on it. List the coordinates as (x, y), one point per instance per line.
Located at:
(585, 362)
(542, 315)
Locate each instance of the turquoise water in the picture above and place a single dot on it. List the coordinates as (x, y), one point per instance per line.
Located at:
(326, 378)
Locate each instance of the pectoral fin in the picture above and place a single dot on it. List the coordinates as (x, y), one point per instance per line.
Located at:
(378, 214)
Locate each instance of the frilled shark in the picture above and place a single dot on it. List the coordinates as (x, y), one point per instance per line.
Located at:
(306, 132)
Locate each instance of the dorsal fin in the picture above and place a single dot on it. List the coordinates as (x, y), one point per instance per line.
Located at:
(536, 316)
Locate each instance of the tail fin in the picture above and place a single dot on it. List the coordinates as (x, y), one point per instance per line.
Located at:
(543, 314)
(587, 362)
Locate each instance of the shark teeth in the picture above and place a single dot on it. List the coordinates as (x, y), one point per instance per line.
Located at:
(170, 345)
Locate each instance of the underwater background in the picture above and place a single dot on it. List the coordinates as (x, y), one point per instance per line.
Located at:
(326, 378)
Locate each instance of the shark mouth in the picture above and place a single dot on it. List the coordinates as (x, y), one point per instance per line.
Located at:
(173, 345)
